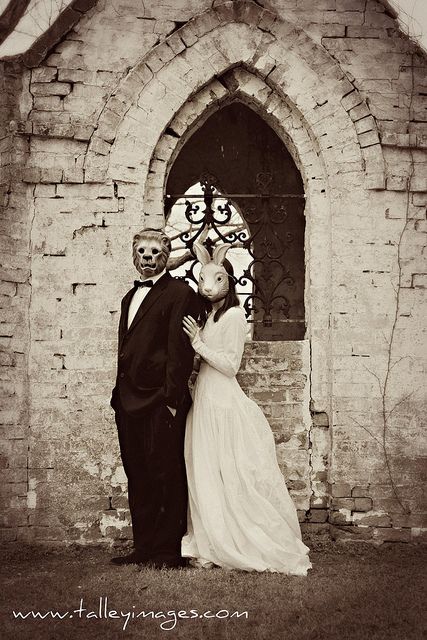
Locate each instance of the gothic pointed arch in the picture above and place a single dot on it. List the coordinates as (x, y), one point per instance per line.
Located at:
(277, 51)
(240, 84)
(235, 154)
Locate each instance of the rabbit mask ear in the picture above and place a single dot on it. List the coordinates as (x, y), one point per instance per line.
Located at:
(219, 253)
(202, 253)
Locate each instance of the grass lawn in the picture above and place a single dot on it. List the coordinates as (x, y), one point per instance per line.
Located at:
(354, 591)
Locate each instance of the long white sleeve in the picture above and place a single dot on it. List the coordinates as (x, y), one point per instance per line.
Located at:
(233, 333)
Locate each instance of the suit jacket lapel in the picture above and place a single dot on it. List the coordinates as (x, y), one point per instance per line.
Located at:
(123, 326)
(149, 300)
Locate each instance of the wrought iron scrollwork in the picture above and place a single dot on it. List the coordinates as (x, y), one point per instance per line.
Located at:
(265, 238)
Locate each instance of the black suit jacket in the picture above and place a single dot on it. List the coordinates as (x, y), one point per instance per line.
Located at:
(155, 357)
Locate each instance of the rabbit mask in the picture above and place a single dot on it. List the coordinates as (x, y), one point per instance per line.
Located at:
(213, 278)
(151, 250)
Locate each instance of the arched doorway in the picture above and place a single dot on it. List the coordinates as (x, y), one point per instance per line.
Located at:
(241, 166)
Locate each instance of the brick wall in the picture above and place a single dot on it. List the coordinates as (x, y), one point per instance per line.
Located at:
(277, 376)
(96, 125)
(15, 220)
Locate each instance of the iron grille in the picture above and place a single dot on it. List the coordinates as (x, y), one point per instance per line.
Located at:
(265, 239)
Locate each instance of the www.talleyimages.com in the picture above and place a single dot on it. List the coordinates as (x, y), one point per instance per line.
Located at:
(167, 620)
(212, 318)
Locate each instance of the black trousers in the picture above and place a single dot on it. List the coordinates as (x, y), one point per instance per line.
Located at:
(152, 450)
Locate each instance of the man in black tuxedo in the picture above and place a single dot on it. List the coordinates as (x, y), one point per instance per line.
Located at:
(151, 401)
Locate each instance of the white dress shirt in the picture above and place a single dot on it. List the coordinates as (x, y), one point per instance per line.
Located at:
(139, 296)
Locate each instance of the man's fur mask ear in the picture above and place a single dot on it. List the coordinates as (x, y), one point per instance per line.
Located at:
(151, 249)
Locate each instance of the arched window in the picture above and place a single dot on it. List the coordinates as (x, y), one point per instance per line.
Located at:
(234, 181)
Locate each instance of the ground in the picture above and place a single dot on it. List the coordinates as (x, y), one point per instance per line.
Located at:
(354, 591)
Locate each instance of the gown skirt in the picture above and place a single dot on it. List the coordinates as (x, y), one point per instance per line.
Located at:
(240, 514)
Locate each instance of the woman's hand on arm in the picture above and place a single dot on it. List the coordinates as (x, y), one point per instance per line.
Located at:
(226, 360)
(191, 328)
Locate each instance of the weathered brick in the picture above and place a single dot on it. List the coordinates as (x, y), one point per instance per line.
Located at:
(340, 490)
(108, 125)
(73, 75)
(387, 534)
(8, 534)
(376, 19)
(360, 491)
(419, 183)
(351, 100)
(188, 35)
(204, 23)
(413, 520)
(319, 502)
(397, 183)
(395, 139)
(358, 112)
(95, 174)
(419, 280)
(339, 518)
(120, 502)
(51, 175)
(318, 515)
(368, 138)
(50, 117)
(50, 88)
(31, 174)
(8, 288)
(320, 419)
(343, 503)
(418, 536)
(346, 533)
(99, 146)
(346, 5)
(54, 130)
(13, 475)
(83, 132)
(43, 74)
(48, 103)
(45, 191)
(73, 175)
(366, 32)
(362, 504)
(365, 124)
(374, 520)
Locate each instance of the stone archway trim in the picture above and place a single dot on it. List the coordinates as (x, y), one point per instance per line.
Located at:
(272, 35)
(242, 85)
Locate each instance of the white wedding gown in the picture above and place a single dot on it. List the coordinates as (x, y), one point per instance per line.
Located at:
(240, 513)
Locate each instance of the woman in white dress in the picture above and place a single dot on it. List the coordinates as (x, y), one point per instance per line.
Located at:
(240, 513)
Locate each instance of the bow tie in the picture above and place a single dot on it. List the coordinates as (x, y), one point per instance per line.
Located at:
(143, 283)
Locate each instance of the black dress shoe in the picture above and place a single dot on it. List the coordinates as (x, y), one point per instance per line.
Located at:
(131, 558)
